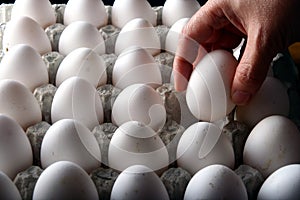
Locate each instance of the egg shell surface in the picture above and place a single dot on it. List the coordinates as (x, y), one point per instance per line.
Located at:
(8, 188)
(15, 148)
(138, 182)
(201, 145)
(138, 32)
(135, 65)
(92, 11)
(215, 182)
(284, 183)
(139, 102)
(85, 63)
(134, 143)
(125, 10)
(77, 99)
(271, 99)
(22, 63)
(39, 10)
(18, 102)
(85, 35)
(272, 143)
(208, 93)
(64, 180)
(70, 140)
(24, 30)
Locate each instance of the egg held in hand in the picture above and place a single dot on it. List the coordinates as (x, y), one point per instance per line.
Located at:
(208, 93)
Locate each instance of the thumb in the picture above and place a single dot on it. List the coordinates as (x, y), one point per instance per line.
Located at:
(251, 71)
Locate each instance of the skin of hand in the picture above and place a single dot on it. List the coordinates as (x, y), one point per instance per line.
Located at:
(268, 26)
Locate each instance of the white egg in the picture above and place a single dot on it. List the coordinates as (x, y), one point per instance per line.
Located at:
(134, 143)
(19, 103)
(24, 30)
(138, 182)
(139, 102)
(271, 99)
(70, 140)
(125, 10)
(64, 180)
(136, 65)
(284, 183)
(39, 10)
(174, 35)
(15, 148)
(24, 64)
(203, 144)
(174, 10)
(77, 99)
(8, 188)
(81, 34)
(85, 63)
(273, 143)
(215, 182)
(208, 93)
(92, 11)
(138, 32)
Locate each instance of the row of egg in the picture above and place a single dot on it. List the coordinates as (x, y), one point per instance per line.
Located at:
(199, 148)
(137, 29)
(94, 11)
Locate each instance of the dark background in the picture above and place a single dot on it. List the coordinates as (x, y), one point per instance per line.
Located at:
(108, 2)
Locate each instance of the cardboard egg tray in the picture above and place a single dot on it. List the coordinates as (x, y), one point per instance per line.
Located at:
(174, 178)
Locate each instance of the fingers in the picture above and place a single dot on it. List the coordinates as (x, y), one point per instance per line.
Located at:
(199, 29)
(252, 69)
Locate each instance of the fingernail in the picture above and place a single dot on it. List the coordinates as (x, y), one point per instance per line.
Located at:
(241, 97)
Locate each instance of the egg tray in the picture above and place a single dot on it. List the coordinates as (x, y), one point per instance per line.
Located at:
(174, 178)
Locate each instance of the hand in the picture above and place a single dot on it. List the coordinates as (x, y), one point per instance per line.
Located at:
(268, 26)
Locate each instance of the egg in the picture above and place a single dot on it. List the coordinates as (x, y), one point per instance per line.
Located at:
(80, 34)
(138, 32)
(24, 30)
(15, 148)
(138, 182)
(174, 10)
(215, 182)
(271, 99)
(8, 188)
(136, 65)
(174, 35)
(85, 63)
(77, 99)
(39, 10)
(273, 143)
(134, 143)
(24, 64)
(284, 183)
(139, 102)
(64, 180)
(70, 140)
(125, 10)
(92, 11)
(208, 92)
(203, 144)
(19, 103)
